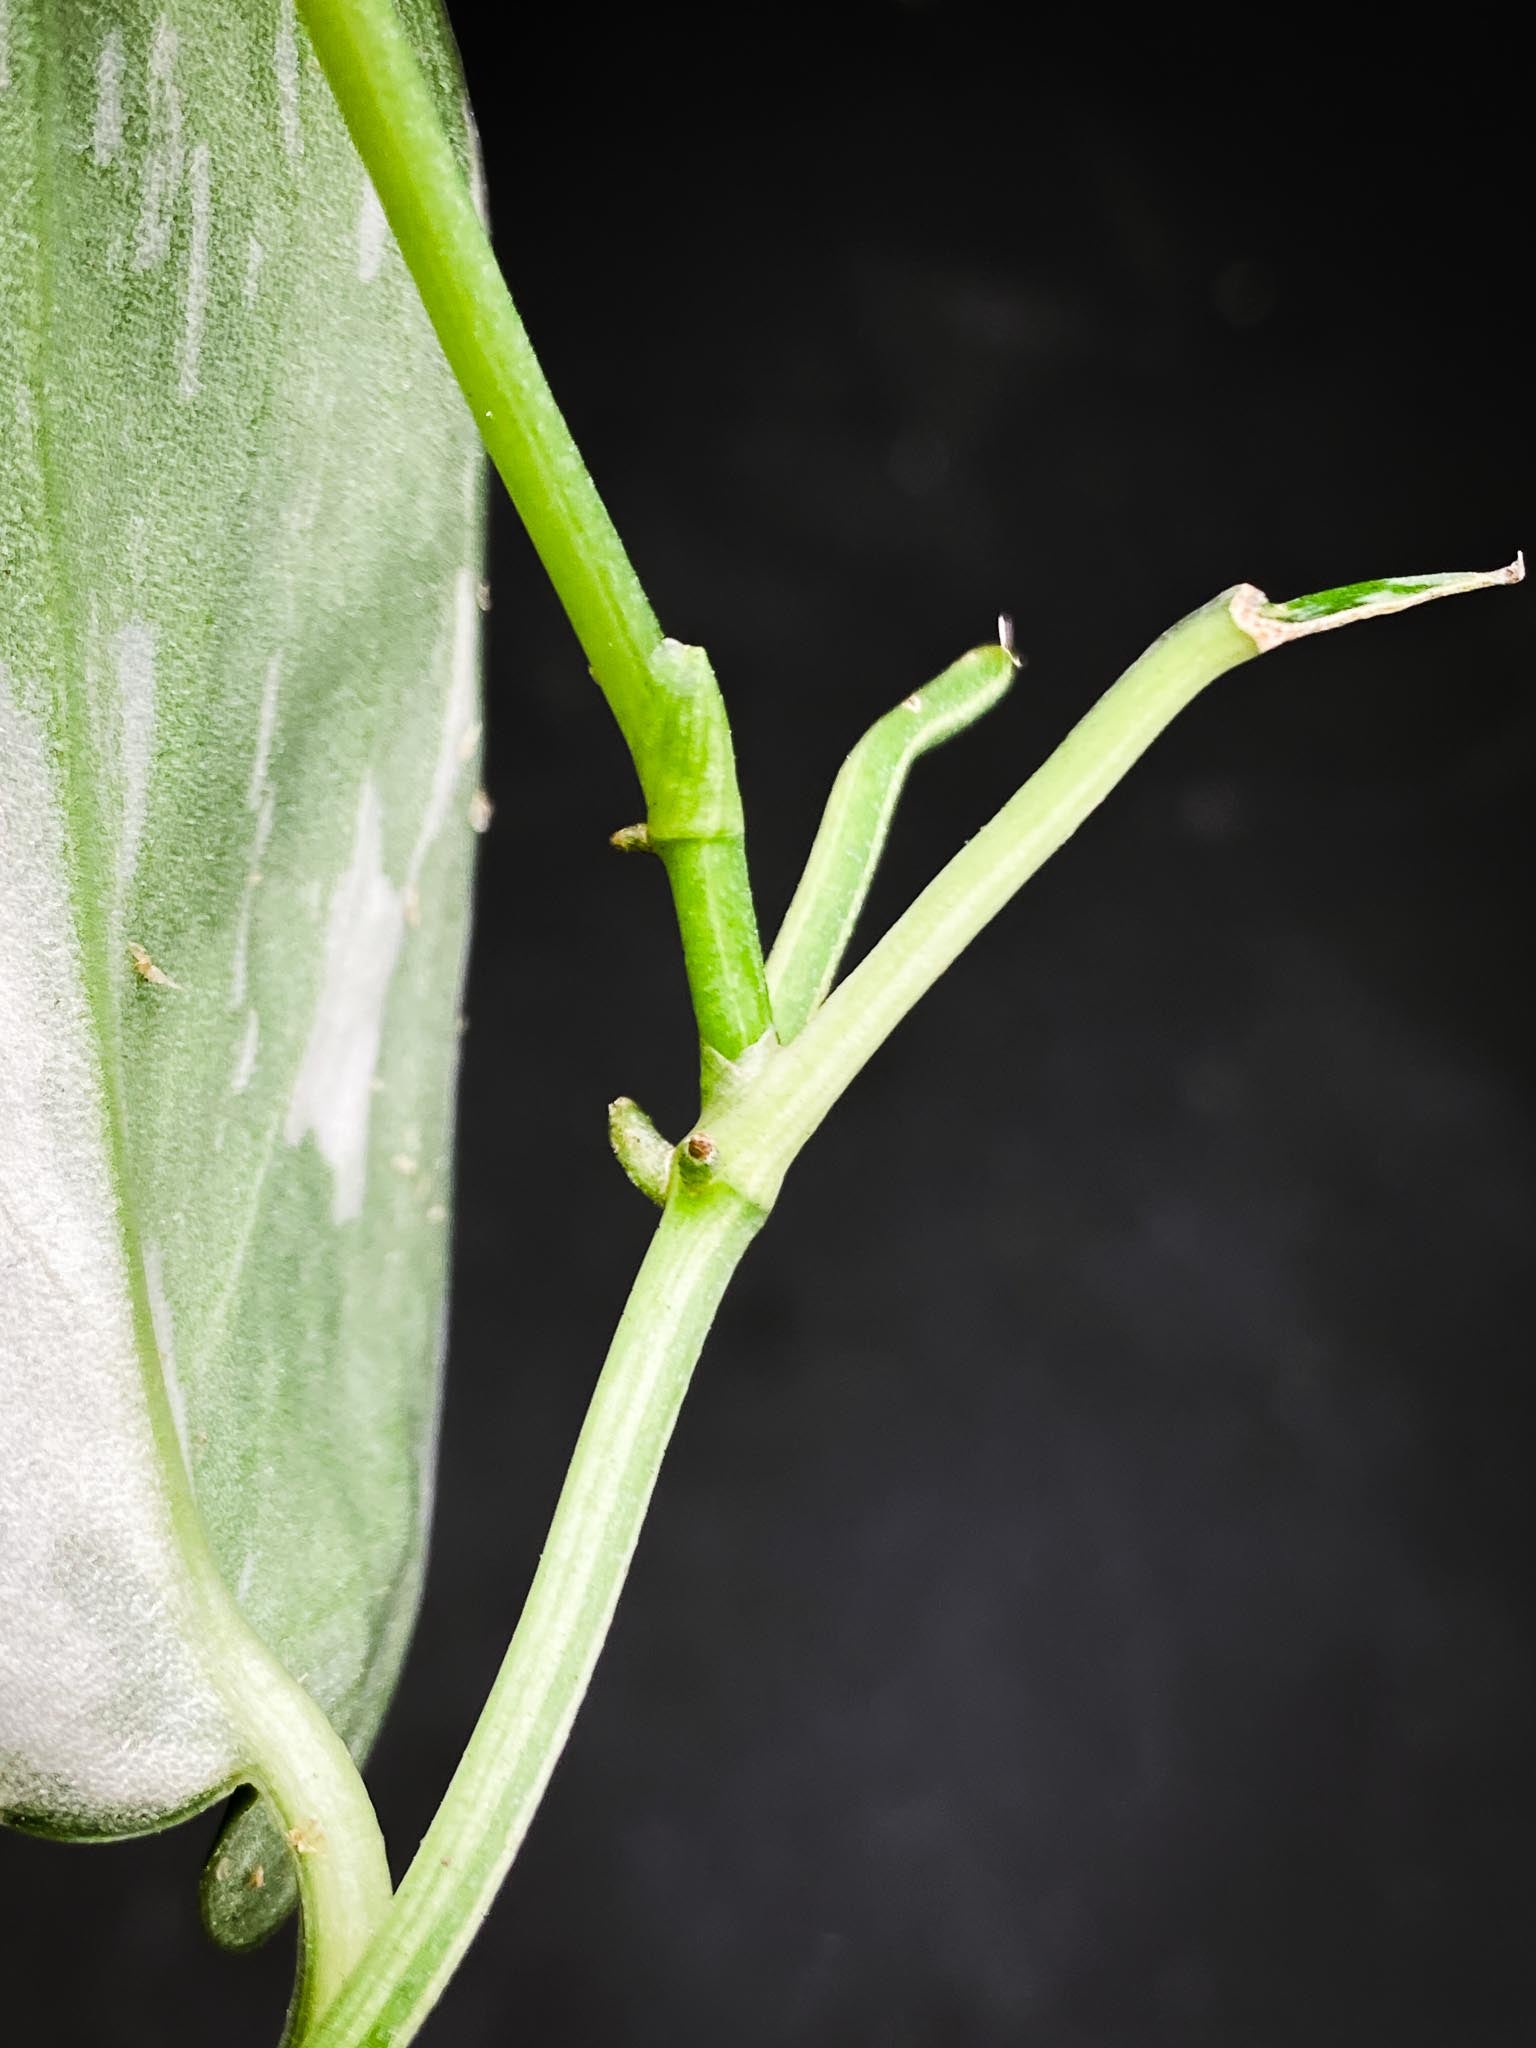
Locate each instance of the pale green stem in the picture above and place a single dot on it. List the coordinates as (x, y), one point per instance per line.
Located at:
(303, 1769)
(703, 1233)
(762, 1131)
(758, 1137)
(291, 1753)
(497, 1786)
(826, 905)
(720, 1188)
(289, 1750)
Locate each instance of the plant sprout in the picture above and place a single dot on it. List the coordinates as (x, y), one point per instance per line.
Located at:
(256, 341)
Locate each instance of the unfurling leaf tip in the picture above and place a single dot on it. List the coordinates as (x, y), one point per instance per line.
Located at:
(1270, 625)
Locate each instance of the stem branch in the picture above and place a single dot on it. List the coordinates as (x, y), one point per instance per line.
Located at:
(760, 1135)
(760, 1132)
(669, 708)
(664, 696)
(851, 837)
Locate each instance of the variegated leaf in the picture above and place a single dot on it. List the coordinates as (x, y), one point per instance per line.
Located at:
(240, 517)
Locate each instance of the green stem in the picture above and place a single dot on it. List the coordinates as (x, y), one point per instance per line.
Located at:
(720, 1187)
(664, 696)
(304, 1771)
(501, 1777)
(758, 1136)
(763, 1129)
(292, 1754)
(851, 837)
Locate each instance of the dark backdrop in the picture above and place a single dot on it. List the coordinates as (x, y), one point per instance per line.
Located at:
(1084, 1604)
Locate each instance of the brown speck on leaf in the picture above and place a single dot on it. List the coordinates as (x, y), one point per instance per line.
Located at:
(257, 1881)
(701, 1148)
(146, 969)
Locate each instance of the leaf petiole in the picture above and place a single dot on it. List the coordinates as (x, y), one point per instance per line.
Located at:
(662, 693)
(763, 1132)
(830, 895)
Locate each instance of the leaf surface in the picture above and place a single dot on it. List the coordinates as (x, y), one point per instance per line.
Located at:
(240, 530)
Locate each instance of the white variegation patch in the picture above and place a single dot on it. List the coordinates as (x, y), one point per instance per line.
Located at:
(200, 187)
(104, 1709)
(107, 127)
(161, 174)
(245, 1058)
(372, 234)
(255, 256)
(333, 1094)
(133, 660)
(460, 729)
(266, 729)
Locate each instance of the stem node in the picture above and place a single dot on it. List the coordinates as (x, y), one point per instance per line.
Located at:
(698, 1159)
(640, 1148)
(632, 839)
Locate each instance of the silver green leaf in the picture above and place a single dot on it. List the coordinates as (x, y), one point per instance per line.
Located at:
(1271, 625)
(240, 533)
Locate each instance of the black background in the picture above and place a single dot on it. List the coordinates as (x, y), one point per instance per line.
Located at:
(1084, 1604)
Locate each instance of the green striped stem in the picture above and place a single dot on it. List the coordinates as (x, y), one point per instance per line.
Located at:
(662, 693)
(825, 908)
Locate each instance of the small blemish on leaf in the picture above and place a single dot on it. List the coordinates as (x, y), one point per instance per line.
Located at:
(146, 969)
